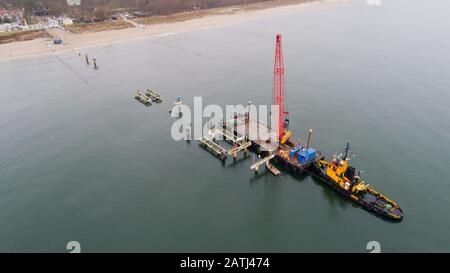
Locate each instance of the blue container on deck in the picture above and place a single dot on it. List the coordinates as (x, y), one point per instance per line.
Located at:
(294, 151)
(306, 155)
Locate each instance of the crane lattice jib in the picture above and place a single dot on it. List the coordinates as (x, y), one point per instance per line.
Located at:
(279, 90)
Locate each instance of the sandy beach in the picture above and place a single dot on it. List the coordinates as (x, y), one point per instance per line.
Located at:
(220, 17)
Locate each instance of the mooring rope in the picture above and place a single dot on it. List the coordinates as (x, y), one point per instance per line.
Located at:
(75, 72)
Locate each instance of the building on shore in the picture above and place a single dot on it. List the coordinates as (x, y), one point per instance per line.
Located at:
(11, 15)
(73, 2)
(64, 21)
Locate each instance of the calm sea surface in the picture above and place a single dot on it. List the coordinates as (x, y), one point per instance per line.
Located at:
(81, 160)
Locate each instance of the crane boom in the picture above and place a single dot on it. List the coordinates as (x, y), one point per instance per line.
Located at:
(279, 89)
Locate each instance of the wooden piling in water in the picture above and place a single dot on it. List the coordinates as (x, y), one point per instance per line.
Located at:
(188, 134)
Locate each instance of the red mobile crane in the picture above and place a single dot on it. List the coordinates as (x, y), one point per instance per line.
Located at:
(279, 91)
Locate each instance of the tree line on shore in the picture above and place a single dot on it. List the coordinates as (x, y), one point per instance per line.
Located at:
(101, 9)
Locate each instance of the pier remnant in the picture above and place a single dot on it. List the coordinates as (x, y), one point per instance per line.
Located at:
(213, 147)
(239, 143)
(188, 133)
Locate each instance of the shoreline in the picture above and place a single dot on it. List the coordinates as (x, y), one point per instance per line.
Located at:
(208, 19)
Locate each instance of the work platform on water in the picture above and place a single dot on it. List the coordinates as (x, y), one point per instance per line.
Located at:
(262, 136)
(215, 148)
(239, 143)
(248, 133)
(148, 97)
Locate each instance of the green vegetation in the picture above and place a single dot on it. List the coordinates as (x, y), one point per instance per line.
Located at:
(11, 36)
(103, 8)
(8, 33)
(91, 11)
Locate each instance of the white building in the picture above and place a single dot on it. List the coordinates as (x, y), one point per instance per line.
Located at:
(5, 27)
(64, 21)
(73, 2)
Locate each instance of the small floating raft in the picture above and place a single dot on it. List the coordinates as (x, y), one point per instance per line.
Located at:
(143, 98)
(155, 97)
